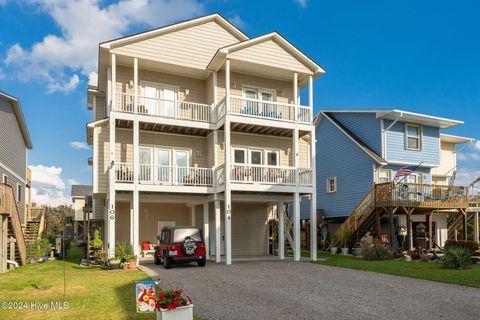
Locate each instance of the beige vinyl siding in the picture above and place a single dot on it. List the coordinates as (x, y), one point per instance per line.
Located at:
(122, 221)
(283, 89)
(100, 110)
(151, 213)
(271, 54)
(99, 208)
(102, 151)
(249, 229)
(209, 89)
(447, 160)
(196, 87)
(192, 47)
(210, 150)
(13, 156)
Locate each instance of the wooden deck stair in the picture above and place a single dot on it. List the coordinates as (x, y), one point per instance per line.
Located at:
(359, 222)
(8, 206)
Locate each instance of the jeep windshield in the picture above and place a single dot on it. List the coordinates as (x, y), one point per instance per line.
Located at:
(179, 235)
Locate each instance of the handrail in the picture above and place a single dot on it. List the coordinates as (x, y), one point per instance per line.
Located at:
(8, 205)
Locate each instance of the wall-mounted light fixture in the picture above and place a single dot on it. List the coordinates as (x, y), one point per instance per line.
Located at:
(187, 92)
(130, 83)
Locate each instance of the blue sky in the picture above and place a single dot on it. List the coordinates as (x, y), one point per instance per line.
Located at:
(421, 56)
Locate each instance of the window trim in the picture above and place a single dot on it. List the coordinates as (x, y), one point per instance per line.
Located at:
(258, 91)
(419, 137)
(390, 174)
(277, 152)
(334, 178)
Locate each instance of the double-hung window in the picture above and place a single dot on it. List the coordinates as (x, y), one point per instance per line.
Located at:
(413, 136)
(332, 184)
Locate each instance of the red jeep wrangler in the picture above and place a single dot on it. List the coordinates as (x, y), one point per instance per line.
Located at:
(177, 244)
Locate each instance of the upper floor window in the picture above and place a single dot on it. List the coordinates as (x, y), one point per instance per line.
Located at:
(258, 94)
(332, 184)
(19, 192)
(384, 176)
(254, 156)
(413, 136)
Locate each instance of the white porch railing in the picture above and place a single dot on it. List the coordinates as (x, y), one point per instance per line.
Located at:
(305, 176)
(173, 175)
(124, 172)
(267, 110)
(164, 108)
(240, 173)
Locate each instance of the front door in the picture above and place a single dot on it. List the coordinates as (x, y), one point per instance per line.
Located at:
(163, 169)
(169, 97)
(181, 162)
(151, 94)
(146, 161)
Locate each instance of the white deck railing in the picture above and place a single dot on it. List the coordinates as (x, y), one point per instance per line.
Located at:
(240, 173)
(305, 176)
(163, 108)
(267, 110)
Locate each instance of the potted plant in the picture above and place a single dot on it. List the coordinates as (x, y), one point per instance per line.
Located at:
(345, 238)
(174, 305)
(333, 248)
(132, 261)
(123, 254)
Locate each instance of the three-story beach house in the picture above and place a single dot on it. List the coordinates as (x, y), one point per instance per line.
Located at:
(388, 172)
(197, 124)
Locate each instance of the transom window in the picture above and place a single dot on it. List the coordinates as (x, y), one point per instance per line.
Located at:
(413, 136)
(332, 184)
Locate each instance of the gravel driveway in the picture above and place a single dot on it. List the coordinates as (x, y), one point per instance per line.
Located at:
(298, 290)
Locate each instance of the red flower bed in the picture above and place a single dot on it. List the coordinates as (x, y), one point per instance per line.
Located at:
(172, 299)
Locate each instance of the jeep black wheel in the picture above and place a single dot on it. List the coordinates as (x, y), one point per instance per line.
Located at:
(167, 262)
(156, 259)
(202, 262)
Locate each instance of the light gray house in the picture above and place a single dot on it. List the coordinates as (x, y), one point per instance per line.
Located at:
(14, 142)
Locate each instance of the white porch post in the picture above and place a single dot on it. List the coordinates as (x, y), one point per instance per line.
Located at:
(313, 199)
(135, 84)
(206, 228)
(296, 226)
(295, 88)
(218, 237)
(281, 230)
(136, 229)
(131, 220)
(193, 216)
(136, 166)
(111, 189)
(476, 230)
(228, 194)
(310, 96)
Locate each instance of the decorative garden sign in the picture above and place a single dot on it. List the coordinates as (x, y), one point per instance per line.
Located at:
(145, 294)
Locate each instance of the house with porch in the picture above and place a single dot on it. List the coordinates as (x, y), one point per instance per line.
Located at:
(197, 124)
(360, 152)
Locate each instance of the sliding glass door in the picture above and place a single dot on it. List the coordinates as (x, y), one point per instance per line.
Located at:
(146, 161)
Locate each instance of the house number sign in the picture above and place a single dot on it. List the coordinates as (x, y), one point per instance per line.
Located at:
(112, 214)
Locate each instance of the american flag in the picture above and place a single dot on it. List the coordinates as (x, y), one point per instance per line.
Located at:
(405, 171)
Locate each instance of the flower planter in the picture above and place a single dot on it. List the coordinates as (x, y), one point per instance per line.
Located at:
(132, 264)
(333, 250)
(180, 313)
(344, 251)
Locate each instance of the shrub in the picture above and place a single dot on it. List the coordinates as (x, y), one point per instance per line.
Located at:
(101, 256)
(123, 251)
(469, 245)
(457, 258)
(376, 251)
(96, 242)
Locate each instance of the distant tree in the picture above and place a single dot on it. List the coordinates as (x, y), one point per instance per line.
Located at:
(55, 220)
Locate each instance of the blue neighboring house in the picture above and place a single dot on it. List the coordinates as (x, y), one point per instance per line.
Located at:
(358, 148)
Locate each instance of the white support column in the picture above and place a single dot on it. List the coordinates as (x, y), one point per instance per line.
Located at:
(310, 96)
(193, 216)
(136, 228)
(132, 232)
(281, 230)
(296, 226)
(114, 81)
(218, 235)
(227, 86)
(228, 196)
(135, 84)
(206, 228)
(111, 193)
(313, 200)
(476, 231)
(295, 94)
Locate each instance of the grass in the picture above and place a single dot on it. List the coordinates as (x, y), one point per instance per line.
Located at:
(91, 293)
(433, 271)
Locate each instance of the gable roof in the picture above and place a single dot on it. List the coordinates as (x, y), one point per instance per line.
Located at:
(360, 143)
(222, 53)
(174, 27)
(81, 190)
(17, 108)
(406, 116)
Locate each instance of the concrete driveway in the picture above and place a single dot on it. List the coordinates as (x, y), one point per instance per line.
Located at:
(298, 290)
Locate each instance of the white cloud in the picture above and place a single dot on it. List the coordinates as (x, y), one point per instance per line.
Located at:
(83, 24)
(79, 145)
(2, 74)
(476, 145)
(48, 186)
(237, 21)
(302, 3)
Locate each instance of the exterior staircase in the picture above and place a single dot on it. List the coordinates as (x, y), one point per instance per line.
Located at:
(32, 230)
(456, 223)
(358, 223)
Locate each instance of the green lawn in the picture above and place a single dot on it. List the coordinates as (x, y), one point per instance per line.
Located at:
(423, 270)
(91, 293)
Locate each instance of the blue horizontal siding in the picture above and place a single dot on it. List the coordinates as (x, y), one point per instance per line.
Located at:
(304, 208)
(365, 126)
(339, 156)
(397, 151)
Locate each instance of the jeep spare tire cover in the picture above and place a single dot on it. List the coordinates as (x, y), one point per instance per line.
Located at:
(189, 246)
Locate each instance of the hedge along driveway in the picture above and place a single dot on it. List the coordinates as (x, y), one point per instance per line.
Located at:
(434, 271)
